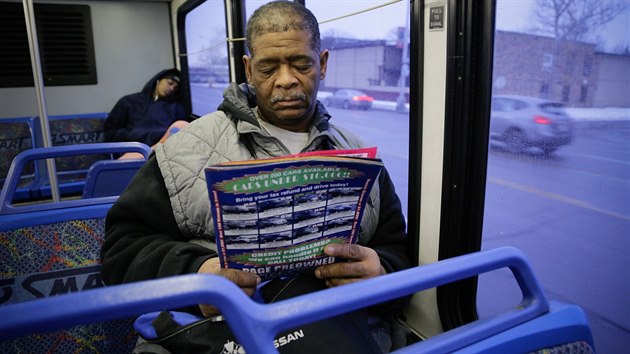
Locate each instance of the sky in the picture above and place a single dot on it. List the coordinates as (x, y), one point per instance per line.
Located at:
(513, 15)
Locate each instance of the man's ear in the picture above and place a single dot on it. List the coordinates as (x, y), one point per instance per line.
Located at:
(247, 61)
(323, 63)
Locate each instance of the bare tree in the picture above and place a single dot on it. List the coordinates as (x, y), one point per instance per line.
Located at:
(571, 20)
(577, 20)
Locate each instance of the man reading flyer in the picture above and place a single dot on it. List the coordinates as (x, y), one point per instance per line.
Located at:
(162, 224)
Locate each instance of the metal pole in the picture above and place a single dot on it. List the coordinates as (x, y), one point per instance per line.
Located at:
(404, 69)
(31, 31)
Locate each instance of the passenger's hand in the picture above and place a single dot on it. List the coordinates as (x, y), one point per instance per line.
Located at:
(362, 263)
(246, 281)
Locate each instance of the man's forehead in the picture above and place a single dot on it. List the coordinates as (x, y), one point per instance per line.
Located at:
(261, 58)
(282, 40)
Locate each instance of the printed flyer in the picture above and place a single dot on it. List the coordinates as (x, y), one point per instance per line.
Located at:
(273, 217)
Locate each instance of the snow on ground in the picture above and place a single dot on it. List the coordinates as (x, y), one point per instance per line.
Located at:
(596, 114)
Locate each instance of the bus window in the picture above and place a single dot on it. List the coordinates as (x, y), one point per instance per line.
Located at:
(363, 90)
(559, 159)
(208, 67)
(252, 5)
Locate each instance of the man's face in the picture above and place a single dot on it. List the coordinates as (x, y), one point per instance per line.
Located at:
(166, 87)
(286, 72)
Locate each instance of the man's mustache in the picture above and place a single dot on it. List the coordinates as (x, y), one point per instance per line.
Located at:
(292, 96)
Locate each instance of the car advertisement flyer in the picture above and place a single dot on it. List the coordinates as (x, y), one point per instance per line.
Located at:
(274, 217)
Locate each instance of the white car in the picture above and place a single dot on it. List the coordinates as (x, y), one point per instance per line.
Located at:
(521, 122)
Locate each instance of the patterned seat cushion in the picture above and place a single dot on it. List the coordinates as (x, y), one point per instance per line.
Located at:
(54, 259)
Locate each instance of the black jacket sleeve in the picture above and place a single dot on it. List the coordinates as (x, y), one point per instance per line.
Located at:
(115, 128)
(390, 242)
(142, 240)
(390, 238)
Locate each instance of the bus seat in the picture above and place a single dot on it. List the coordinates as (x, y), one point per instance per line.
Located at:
(7, 199)
(52, 248)
(72, 129)
(17, 135)
(110, 177)
(52, 251)
(564, 329)
(255, 325)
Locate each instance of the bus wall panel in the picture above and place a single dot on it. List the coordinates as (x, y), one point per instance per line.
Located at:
(132, 41)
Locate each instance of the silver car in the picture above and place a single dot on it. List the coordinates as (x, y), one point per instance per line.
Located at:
(522, 122)
(349, 99)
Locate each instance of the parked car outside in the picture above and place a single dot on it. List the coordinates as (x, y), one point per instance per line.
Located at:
(522, 122)
(349, 99)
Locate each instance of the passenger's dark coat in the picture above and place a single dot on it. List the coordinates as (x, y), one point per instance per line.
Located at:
(138, 117)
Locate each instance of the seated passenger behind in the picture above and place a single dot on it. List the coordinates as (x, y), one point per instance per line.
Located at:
(149, 116)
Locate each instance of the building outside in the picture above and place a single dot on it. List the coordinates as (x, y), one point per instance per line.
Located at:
(544, 67)
(372, 66)
(613, 82)
(567, 71)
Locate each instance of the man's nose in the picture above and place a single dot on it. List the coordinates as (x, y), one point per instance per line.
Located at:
(286, 77)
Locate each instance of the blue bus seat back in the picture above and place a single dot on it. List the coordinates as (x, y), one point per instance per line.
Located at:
(255, 325)
(72, 129)
(51, 247)
(9, 188)
(109, 178)
(16, 135)
(579, 347)
(76, 129)
(23, 133)
(112, 337)
(564, 329)
(51, 253)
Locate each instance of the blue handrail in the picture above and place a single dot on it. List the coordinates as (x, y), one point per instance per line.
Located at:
(255, 325)
(13, 176)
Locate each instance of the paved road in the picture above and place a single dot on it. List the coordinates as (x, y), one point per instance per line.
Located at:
(571, 215)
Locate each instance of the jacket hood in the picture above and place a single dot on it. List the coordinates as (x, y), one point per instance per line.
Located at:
(149, 87)
(238, 100)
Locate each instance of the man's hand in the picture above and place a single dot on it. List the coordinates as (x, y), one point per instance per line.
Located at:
(363, 263)
(246, 281)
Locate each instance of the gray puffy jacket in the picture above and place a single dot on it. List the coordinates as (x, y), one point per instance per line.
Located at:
(232, 134)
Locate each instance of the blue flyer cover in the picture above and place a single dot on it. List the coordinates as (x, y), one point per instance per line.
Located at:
(274, 217)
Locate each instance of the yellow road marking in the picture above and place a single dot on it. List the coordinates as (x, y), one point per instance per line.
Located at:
(554, 196)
